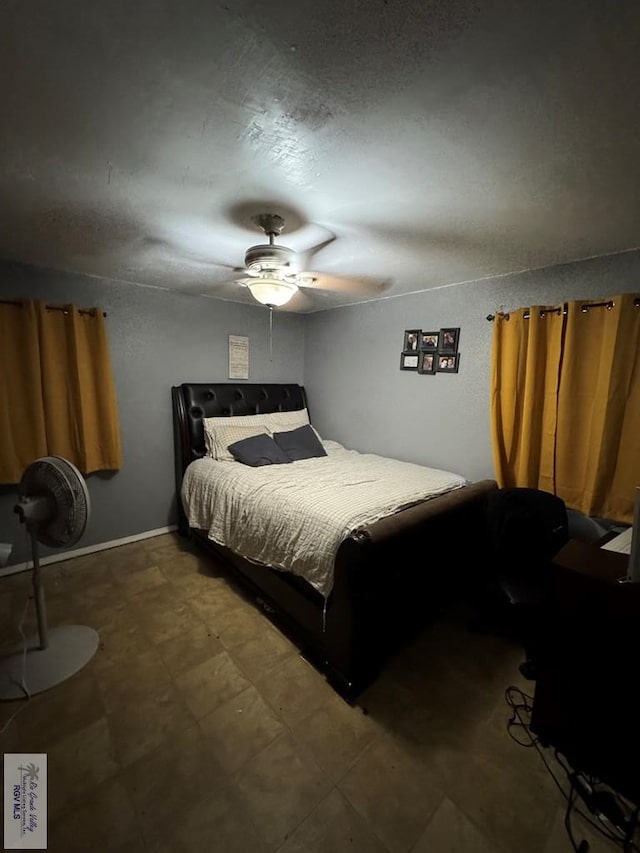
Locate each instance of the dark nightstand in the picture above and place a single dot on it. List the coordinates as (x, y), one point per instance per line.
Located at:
(584, 703)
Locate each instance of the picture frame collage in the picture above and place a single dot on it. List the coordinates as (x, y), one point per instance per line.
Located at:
(431, 352)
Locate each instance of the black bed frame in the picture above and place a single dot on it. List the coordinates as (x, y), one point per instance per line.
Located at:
(389, 580)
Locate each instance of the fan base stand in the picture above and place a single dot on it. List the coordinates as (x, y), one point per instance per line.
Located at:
(70, 648)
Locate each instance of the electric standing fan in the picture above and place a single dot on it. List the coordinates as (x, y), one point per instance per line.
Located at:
(54, 504)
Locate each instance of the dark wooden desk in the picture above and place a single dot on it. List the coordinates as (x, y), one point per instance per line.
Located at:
(584, 703)
(592, 561)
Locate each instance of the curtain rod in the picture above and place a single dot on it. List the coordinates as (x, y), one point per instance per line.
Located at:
(90, 311)
(526, 315)
(609, 304)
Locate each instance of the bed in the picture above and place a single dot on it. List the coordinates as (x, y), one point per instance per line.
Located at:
(387, 578)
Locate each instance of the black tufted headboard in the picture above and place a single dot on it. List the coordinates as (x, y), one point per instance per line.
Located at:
(193, 401)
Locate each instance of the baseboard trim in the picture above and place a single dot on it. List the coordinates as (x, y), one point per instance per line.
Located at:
(90, 549)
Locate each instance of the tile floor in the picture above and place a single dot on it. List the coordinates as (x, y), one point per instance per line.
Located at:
(197, 727)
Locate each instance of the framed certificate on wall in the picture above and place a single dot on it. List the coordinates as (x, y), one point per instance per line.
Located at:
(238, 357)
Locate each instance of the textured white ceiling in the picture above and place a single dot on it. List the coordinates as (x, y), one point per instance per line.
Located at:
(437, 141)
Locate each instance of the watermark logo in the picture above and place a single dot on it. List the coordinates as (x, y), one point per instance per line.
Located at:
(30, 771)
(25, 801)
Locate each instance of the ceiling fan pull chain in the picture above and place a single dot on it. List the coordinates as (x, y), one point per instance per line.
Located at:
(270, 333)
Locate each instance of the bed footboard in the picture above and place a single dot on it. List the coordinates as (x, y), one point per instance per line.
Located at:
(394, 576)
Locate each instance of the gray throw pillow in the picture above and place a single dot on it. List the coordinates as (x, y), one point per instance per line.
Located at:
(258, 450)
(301, 443)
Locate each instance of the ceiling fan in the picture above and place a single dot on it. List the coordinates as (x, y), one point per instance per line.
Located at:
(274, 273)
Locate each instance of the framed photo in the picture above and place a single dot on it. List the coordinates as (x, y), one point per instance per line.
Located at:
(448, 363)
(429, 340)
(411, 340)
(427, 362)
(409, 361)
(449, 340)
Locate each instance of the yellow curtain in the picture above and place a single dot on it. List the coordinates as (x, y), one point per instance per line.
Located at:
(524, 369)
(565, 404)
(598, 450)
(67, 386)
(22, 428)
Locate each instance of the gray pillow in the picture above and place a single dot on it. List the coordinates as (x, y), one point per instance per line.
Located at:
(301, 443)
(258, 450)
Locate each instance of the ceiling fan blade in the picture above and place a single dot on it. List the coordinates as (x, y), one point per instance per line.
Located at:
(172, 251)
(304, 258)
(356, 284)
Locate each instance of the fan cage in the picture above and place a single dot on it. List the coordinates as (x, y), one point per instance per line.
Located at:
(58, 479)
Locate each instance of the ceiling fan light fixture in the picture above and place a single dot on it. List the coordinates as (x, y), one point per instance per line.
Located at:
(273, 292)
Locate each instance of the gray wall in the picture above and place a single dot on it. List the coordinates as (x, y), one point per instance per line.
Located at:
(157, 339)
(358, 395)
(348, 359)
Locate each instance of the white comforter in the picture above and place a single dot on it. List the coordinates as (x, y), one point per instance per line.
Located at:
(295, 516)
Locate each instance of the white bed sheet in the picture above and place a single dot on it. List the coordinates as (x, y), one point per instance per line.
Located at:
(294, 517)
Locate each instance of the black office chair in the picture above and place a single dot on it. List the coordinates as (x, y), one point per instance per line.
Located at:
(527, 528)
